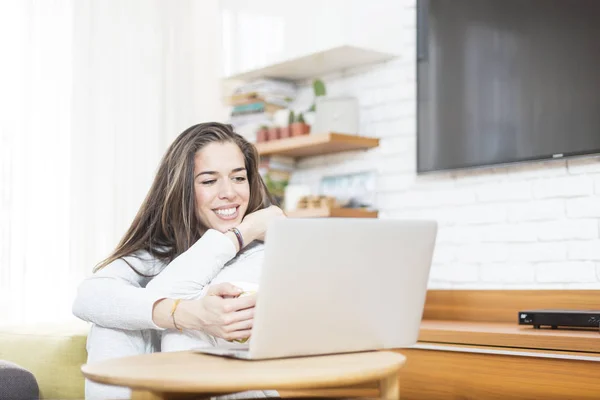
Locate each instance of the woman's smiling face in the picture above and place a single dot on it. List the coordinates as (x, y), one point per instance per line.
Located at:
(221, 186)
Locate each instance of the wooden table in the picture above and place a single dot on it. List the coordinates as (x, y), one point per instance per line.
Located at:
(171, 375)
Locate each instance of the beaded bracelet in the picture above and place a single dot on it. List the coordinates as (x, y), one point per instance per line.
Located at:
(239, 237)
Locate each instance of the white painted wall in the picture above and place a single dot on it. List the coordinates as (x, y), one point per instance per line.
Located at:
(263, 32)
(534, 225)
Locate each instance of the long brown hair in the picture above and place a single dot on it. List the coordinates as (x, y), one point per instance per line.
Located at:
(166, 224)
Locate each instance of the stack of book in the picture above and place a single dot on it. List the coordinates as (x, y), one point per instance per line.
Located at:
(254, 103)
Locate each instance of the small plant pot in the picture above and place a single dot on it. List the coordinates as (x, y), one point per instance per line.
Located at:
(285, 132)
(299, 129)
(262, 135)
(273, 133)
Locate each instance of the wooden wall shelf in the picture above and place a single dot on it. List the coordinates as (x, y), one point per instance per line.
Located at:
(490, 318)
(316, 144)
(505, 334)
(315, 64)
(332, 213)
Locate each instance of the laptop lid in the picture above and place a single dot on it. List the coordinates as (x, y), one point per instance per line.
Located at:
(341, 285)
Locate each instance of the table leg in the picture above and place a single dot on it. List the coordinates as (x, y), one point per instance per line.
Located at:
(146, 395)
(389, 387)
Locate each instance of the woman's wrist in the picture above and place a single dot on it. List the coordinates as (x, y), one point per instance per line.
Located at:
(161, 313)
(247, 233)
(234, 240)
(238, 235)
(182, 318)
(190, 315)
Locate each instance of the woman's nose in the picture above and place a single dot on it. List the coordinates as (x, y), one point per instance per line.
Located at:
(226, 191)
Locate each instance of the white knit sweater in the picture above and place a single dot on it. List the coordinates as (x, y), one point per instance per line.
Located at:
(118, 301)
(245, 267)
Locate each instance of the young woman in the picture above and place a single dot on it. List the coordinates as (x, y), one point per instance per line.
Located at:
(206, 209)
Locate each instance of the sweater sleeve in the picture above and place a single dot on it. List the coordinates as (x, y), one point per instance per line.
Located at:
(114, 297)
(118, 297)
(188, 274)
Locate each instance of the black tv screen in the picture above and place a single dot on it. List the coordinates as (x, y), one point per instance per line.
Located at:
(506, 81)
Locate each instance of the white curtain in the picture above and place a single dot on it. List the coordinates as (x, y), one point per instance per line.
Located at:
(91, 94)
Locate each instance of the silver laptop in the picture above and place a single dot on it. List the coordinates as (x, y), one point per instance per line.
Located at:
(339, 285)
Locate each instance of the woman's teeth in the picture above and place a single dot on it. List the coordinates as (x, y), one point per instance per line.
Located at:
(226, 212)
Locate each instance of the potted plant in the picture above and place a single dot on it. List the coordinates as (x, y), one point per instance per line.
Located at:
(273, 133)
(318, 90)
(286, 131)
(299, 127)
(262, 135)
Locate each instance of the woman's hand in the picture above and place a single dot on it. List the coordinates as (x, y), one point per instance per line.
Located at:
(219, 313)
(224, 315)
(254, 225)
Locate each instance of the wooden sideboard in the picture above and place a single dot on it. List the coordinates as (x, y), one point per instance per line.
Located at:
(471, 347)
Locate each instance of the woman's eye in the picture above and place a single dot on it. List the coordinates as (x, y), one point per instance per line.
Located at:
(240, 179)
(209, 182)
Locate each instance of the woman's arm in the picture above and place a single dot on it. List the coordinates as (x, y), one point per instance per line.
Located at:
(188, 274)
(219, 313)
(118, 297)
(114, 297)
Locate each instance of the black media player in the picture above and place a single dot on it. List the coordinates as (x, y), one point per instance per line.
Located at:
(560, 318)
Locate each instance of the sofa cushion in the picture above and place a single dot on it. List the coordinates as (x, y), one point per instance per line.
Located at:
(53, 353)
(16, 383)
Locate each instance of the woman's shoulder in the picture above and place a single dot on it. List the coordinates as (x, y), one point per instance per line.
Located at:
(147, 262)
(141, 263)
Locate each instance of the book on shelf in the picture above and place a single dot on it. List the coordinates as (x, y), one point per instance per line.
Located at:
(257, 103)
(269, 86)
(255, 108)
(250, 119)
(269, 91)
(237, 100)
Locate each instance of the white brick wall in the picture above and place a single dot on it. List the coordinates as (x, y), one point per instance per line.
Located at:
(530, 225)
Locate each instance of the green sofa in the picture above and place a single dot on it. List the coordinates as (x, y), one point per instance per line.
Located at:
(53, 353)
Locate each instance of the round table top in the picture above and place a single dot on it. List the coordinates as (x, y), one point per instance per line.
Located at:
(195, 372)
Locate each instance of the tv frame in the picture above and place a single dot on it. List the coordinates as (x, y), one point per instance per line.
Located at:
(422, 10)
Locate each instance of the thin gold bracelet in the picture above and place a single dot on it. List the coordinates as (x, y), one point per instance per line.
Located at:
(175, 304)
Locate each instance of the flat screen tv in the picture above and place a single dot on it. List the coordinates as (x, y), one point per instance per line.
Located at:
(506, 81)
